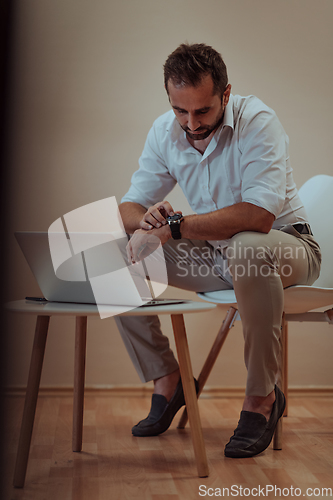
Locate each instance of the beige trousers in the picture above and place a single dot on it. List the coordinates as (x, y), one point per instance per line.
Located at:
(258, 266)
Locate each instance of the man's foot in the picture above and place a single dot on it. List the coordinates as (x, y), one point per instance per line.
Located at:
(166, 385)
(254, 431)
(259, 404)
(162, 412)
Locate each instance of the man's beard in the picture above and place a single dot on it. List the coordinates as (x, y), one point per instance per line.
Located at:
(206, 131)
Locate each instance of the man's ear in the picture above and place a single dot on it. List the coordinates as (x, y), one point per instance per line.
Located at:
(226, 95)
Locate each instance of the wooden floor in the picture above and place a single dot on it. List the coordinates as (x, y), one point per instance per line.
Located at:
(115, 465)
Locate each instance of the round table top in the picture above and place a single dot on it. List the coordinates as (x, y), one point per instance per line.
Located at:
(72, 309)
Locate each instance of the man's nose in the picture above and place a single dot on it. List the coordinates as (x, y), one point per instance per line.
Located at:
(193, 122)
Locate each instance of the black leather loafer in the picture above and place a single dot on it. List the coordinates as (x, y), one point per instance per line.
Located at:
(254, 433)
(161, 413)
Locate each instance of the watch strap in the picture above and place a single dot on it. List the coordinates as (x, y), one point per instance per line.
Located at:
(175, 230)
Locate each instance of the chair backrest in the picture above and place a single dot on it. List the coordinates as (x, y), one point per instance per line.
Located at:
(317, 197)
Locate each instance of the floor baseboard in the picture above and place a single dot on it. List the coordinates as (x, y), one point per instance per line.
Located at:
(144, 391)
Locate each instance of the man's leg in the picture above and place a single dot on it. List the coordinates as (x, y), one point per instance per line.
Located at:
(262, 265)
(191, 265)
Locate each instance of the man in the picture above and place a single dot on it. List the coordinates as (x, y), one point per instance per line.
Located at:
(230, 156)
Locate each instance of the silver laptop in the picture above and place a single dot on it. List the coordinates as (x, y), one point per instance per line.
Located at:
(98, 275)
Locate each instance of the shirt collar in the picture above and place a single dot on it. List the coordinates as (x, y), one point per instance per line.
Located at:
(228, 121)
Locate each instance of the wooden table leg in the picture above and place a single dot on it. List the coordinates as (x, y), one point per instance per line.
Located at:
(79, 376)
(212, 357)
(189, 393)
(36, 364)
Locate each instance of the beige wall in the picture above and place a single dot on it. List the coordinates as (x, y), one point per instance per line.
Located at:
(87, 85)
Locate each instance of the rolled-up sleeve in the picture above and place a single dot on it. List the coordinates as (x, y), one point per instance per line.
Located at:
(264, 156)
(152, 181)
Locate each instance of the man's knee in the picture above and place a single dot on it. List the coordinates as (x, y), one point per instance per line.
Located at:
(250, 255)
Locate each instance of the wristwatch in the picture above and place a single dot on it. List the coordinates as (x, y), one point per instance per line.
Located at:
(174, 224)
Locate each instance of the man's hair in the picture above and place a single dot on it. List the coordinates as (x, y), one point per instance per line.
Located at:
(189, 64)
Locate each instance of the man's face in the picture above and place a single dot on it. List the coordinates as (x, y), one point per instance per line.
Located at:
(198, 110)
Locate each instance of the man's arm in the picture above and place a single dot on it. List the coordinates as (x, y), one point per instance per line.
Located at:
(219, 225)
(131, 214)
(135, 216)
(224, 223)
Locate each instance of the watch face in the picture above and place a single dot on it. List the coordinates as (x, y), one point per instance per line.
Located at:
(175, 217)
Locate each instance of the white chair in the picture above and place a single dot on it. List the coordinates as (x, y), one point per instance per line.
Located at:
(299, 300)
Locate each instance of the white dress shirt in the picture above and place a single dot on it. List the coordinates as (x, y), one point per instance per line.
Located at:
(247, 160)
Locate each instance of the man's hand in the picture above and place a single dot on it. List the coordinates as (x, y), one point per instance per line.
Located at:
(155, 217)
(143, 242)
